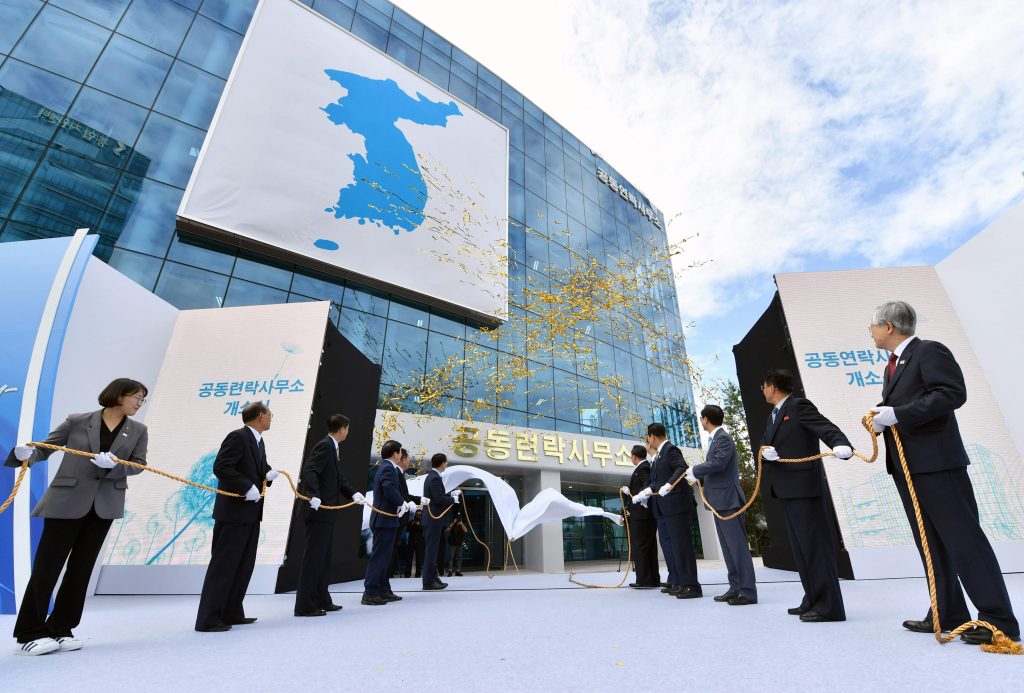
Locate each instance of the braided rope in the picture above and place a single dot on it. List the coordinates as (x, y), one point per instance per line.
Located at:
(17, 485)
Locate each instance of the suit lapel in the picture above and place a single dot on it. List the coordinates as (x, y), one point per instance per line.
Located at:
(901, 365)
(122, 438)
(774, 428)
(95, 421)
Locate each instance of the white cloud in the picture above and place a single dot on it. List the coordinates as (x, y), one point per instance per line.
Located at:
(789, 136)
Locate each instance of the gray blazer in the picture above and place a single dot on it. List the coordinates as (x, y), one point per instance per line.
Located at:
(720, 473)
(79, 484)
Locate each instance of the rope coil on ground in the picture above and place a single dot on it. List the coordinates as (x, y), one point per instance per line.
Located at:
(629, 554)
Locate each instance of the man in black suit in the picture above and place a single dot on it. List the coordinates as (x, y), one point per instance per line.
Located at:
(240, 467)
(642, 528)
(720, 475)
(437, 504)
(923, 387)
(407, 520)
(675, 506)
(322, 481)
(387, 496)
(794, 428)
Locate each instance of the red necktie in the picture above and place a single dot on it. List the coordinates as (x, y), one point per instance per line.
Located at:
(892, 364)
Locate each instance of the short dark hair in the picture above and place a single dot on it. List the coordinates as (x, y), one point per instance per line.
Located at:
(713, 413)
(780, 379)
(405, 453)
(437, 460)
(388, 450)
(118, 388)
(639, 451)
(252, 411)
(657, 430)
(337, 422)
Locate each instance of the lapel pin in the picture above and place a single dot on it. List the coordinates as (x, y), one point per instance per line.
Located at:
(785, 418)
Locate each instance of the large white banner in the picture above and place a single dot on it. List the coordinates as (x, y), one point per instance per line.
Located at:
(327, 148)
(828, 314)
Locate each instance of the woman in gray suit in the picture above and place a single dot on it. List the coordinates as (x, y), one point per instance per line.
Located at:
(83, 500)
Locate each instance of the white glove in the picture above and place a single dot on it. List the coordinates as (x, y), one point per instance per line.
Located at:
(412, 506)
(22, 452)
(456, 495)
(424, 500)
(884, 416)
(625, 491)
(253, 494)
(314, 503)
(403, 509)
(104, 460)
(690, 478)
(358, 497)
(642, 496)
(843, 452)
(643, 501)
(877, 427)
(665, 490)
(271, 475)
(770, 454)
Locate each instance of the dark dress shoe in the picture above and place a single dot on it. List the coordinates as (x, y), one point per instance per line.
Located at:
(689, 592)
(435, 586)
(374, 601)
(244, 622)
(740, 600)
(725, 597)
(979, 635)
(797, 611)
(332, 607)
(215, 629)
(391, 597)
(457, 574)
(924, 626)
(314, 612)
(665, 584)
(638, 586)
(815, 617)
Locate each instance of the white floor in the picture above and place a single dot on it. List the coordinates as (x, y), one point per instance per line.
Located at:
(526, 632)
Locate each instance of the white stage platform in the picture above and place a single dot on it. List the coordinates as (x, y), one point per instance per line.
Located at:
(528, 632)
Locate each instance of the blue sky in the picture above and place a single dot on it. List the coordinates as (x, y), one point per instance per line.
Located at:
(779, 136)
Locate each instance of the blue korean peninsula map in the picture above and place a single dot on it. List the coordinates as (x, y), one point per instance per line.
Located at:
(388, 187)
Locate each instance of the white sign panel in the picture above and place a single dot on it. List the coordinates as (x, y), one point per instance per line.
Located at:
(327, 148)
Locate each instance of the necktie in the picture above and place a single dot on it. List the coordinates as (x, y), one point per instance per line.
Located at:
(775, 410)
(893, 358)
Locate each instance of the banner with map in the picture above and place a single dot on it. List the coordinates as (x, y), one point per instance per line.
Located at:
(326, 148)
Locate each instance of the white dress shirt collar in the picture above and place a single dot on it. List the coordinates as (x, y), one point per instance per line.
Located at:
(903, 345)
(779, 405)
(255, 433)
(663, 444)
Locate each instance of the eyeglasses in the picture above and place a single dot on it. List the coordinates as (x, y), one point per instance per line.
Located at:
(138, 398)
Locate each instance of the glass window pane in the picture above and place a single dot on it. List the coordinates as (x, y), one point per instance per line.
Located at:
(45, 89)
(234, 14)
(370, 32)
(434, 72)
(141, 215)
(535, 177)
(105, 12)
(263, 271)
(130, 70)
(67, 192)
(142, 269)
(190, 95)
(365, 300)
(211, 47)
(408, 312)
(441, 348)
(364, 331)
(171, 149)
(540, 393)
(62, 43)
(403, 53)
(335, 11)
(202, 253)
(15, 15)
(158, 23)
(324, 288)
(243, 293)
(189, 287)
(94, 114)
(455, 327)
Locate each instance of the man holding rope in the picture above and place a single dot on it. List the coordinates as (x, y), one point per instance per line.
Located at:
(436, 517)
(923, 387)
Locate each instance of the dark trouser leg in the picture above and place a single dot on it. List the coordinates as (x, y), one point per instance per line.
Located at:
(70, 601)
(431, 540)
(666, 548)
(732, 536)
(315, 560)
(815, 555)
(642, 534)
(682, 544)
(950, 511)
(55, 546)
(376, 583)
(458, 557)
(227, 553)
(234, 611)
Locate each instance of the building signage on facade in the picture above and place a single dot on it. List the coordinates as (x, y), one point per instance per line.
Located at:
(650, 214)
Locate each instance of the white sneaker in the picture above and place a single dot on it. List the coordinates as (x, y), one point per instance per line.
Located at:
(69, 644)
(38, 647)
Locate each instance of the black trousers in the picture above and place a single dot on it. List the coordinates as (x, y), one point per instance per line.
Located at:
(643, 539)
(807, 524)
(455, 558)
(377, 583)
(665, 540)
(732, 535)
(78, 543)
(313, 592)
(431, 548)
(232, 559)
(961, 553)
(681, 540)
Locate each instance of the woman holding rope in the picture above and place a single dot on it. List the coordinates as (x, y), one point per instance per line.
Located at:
(83, 500)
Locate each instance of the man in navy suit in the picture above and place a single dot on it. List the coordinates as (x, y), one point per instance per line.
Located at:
(387, 496)
(642, 528)
(437, 502)
(321, 480)
(720, 476)
(240, 467)
(923, 387)
(794, 428)
(675, 506)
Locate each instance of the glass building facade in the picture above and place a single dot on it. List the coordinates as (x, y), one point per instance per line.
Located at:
(105, 104)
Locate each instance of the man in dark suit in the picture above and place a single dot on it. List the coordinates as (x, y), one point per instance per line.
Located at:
(387, 496)
(642, 528)
(923, 387)
(407, 520)
(794, 428)
(720, 476)
(675, 506)
(322, 481)
(240, 467)
(437, 503)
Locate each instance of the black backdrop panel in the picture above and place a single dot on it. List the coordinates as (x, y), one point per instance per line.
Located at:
(767, 345)
(347, 383)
